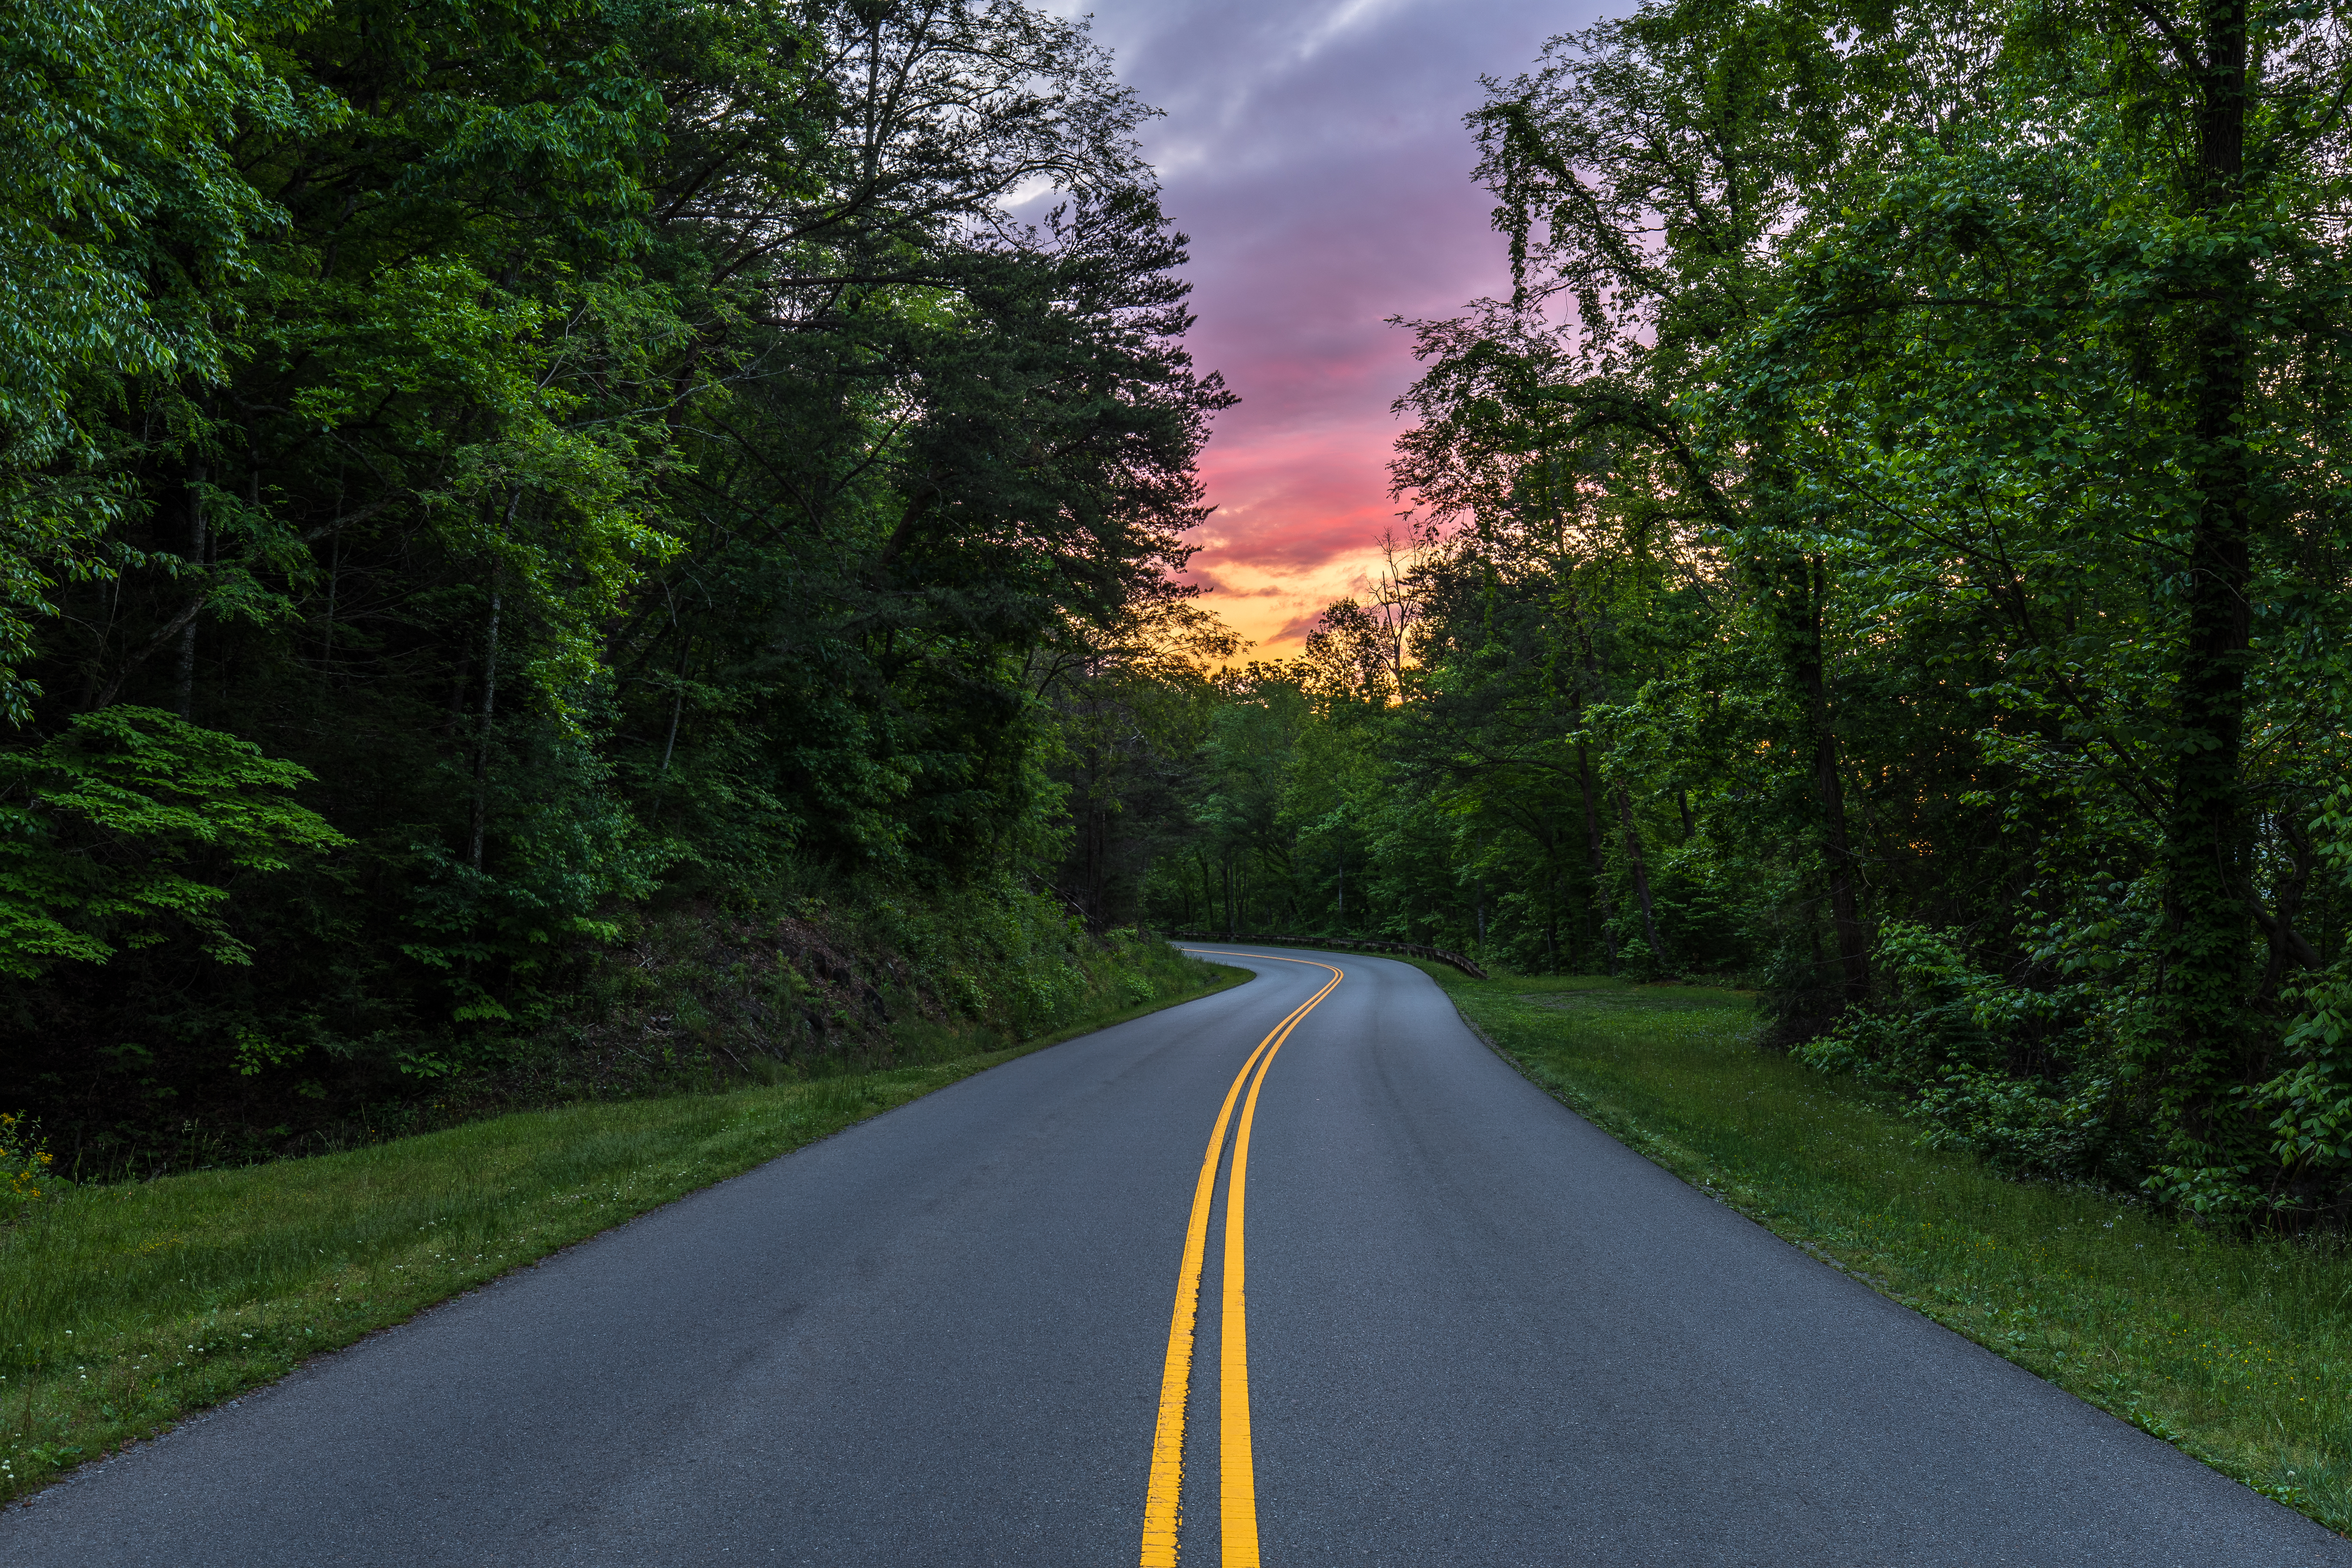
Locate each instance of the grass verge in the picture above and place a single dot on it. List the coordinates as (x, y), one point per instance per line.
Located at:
(126, 1308)
(2238, 1351)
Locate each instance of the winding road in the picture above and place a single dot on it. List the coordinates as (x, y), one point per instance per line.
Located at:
(1025, 1320)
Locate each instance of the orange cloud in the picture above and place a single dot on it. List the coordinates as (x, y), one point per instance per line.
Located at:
(1316, 155)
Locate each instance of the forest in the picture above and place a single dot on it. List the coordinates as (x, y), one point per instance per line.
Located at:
(1890, 549)
(506, 499)
(500, 496)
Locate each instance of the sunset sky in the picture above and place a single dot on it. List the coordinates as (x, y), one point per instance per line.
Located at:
(1315, 153)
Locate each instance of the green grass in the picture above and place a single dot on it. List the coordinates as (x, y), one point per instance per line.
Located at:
(2238, 1351)
(124, 1308)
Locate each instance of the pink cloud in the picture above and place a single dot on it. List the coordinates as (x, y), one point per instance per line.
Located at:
(1297, 628)
(1316, 155)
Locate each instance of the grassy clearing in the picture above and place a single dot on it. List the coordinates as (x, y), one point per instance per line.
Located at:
(2239, 1351)
(125, 1307)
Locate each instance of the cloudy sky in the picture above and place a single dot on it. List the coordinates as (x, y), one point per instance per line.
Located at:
(1315, 152)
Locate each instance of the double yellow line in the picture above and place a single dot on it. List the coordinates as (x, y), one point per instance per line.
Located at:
(1237, 1480)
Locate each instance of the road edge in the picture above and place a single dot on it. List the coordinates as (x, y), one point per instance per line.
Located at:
(1226, 978)
(1672, 1158)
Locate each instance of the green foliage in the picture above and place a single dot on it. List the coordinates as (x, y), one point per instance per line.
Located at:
(132, 826)
(1891, 543)
(23, 1163)
(614, 455)
(133, 1304)
(2228, 1347)
(121, 217)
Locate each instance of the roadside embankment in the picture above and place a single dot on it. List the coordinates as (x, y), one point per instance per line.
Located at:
(2237, 1349)
(688, 992)
(131, 1305)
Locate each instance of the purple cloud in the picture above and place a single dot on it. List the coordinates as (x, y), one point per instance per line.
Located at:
(1316, 155)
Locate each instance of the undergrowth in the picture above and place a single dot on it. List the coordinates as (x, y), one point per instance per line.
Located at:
(124, 1306)
(697, 993)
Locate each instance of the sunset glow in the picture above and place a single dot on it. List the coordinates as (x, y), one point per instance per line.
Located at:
(1316, 155)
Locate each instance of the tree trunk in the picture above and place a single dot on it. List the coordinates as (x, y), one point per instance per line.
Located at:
(1641, 878)
(1098, 896)
(1596, 858)
(188, 671)
(2290, 949)
(1838, 866)
(482, 753)
(2207, 943)
(334, 590)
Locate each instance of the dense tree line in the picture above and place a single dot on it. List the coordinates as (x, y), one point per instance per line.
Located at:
(1892, 544)
(469, 470)
(477, 473)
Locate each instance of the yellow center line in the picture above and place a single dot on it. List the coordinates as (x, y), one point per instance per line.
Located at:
(1236, 1489)
(1161, 1503)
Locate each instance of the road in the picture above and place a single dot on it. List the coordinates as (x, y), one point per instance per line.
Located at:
(1478, 1331)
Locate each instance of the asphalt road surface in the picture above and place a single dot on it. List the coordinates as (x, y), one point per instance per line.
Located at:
(1478, 1331)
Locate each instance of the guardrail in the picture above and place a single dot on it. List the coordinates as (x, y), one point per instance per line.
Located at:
(1348, 943)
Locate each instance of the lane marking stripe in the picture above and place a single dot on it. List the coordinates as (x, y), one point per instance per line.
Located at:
(1163, 1501)
(1236, 1471)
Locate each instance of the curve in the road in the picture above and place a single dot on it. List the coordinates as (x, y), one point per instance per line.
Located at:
(1480, 1333)
(1236, 1476)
